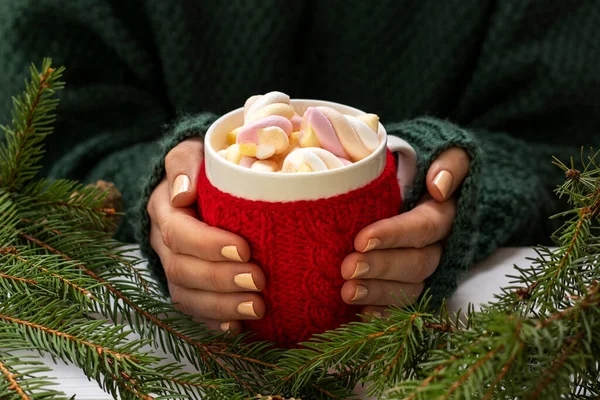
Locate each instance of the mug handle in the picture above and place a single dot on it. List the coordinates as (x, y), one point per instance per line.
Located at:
(407, 162)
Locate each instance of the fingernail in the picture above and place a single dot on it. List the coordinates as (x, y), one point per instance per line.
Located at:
(371, 244)
(231, 252)
(247, 308)
(245, 281)
(361, 269)
(443, 181)
(360, 293)
(225, 326)
(180, 185)
(376, 314)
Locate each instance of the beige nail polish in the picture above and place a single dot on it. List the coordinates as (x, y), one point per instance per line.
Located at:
(443, 181)
(225, 326)
(231, 252)
(247, 308)
(360, 293)
(371, 244)
(245, 281)
(361, 269)
(181, 185)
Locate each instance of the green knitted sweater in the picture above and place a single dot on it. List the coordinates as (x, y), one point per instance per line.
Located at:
(512, 82)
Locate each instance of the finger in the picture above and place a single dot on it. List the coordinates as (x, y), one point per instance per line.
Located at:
(220, 306)
(380, 293)
(183, 233)
(427, 223)
(375, 312)
(232, 327)
(447, 172)
(223, 277)
(182, 165)
(401, 265)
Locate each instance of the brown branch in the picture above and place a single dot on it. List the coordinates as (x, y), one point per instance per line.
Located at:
(591, 299)
(12, 380)
(506, 366)
(584, 215)
(16, 278)
(99, 349)
(29, 124)
(130, 389)
(13, 253)
(556, 365)
(320, 389)
(140, 277)
(107, 211)
(439, 327)
(348, 346)
(206, 350)
(471, 371)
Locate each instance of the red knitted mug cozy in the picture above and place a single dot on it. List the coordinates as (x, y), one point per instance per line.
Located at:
(300, 246)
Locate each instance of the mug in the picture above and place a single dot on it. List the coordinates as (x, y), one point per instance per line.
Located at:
(300, 226)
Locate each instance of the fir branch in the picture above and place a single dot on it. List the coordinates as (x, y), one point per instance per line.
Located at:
(32, 122)
(208, 352)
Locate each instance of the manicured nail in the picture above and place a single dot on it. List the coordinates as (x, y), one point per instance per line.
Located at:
(247, 308)
(443, 181)
(361, 269)
(360, 293)
(371, 244)
(225, 326)
(180, 185)
(231, 252)
(245, 281)
(376, 314)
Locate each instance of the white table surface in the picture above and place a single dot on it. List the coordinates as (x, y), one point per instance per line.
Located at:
(478, 287)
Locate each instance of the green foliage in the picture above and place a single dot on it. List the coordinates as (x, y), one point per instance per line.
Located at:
(68, 290)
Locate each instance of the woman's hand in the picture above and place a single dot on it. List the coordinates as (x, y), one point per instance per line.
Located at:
(206, 267)
(395, 255)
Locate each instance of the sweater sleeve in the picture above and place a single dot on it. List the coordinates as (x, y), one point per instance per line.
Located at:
(112, 109)
(533, 94)
(505, 200)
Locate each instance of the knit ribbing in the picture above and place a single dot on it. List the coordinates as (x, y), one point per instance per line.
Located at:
(430, 137)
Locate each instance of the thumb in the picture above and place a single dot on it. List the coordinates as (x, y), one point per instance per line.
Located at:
(182, 164)
(447, 173)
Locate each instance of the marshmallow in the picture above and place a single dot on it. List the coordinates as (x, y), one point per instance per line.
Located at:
(272, 103)
(265, 137)
(348, 137)
(310, 159)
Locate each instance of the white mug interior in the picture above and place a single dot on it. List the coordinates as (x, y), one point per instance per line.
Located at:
(282, 187)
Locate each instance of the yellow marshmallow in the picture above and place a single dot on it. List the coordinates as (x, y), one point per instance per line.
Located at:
(309, 138)
(233, 154)
(370, 119)
(304, 168)
(295, 139)
(248, 149)
(232, 136)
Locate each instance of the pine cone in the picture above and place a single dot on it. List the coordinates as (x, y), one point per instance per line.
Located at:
(113, 202)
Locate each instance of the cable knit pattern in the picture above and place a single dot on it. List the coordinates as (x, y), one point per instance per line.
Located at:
(513, 82)
(300, 245)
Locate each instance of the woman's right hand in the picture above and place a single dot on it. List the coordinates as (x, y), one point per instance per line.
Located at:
(206, 268)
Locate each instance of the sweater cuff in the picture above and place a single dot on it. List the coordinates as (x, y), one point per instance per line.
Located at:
(430, 137)
(185, 128)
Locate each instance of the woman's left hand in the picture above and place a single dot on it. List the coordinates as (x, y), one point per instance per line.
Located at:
(396, 255)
